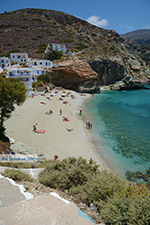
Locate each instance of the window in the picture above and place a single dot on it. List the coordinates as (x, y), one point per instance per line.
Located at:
(40, 63)
(46, 63)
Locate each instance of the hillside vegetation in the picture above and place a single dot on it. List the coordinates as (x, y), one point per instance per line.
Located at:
(30, 30)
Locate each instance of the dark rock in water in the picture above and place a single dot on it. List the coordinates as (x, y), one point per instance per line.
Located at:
(148, 171)
(138, 175)
(127, 84)
(145, 177)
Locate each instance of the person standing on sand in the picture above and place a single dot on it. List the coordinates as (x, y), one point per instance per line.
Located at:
(60, 112)
(80, 112)
(34, 127)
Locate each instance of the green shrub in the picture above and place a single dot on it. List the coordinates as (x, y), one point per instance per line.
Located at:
(34, 39)
(17, 175)
(13, 51)
(39, 36)
(122, 210)
(24, 27)
(67, 173)
(99, 187)
(53, 55)
(38, 20)
(94, 35)
(39, 51)
(18, 164)
(116, 201)
(81, 47)
(45, 78)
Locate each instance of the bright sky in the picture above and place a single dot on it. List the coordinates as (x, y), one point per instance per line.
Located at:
(120, 15)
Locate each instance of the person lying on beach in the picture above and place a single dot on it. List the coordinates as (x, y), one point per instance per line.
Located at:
(42, 103)
(65, 102)
(65, 118)
(49, 112)
(69, 129)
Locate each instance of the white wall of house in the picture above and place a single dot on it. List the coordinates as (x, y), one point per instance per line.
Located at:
(4, 62)
(19, 57)
(40, 63)
(26, 75)
(56, 47)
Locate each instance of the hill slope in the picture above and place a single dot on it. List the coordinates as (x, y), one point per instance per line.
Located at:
(141, 37)
(111, 56)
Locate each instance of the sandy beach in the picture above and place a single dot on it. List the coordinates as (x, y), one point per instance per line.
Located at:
(57, 139)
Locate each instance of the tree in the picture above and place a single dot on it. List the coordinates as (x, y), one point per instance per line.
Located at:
(11, 92)
(53, 55)
(45, 78)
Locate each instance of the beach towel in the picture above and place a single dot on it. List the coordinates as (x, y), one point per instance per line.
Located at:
(40, 131)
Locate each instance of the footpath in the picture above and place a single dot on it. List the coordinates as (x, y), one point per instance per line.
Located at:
(20, 207)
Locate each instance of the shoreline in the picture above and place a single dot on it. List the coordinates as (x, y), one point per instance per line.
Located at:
(57, 140)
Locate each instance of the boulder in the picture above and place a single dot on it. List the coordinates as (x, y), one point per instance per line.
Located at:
(77, 75)
(127, 84)
(108, 71)
(135, 68)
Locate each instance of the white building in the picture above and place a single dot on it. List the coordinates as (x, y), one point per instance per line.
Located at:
(26, 75)
(41, 63)
(5, 62)
(56, 47)
(19, 57)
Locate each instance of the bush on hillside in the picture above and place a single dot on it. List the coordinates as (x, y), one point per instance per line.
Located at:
(98, 188)
(17, 175)
(116, 201)
(68, 173)
(44, 78)
(124, 210)
(53, 55)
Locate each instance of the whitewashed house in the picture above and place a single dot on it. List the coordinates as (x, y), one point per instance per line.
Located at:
(56, 47)
(40, 63)
(5, 62)
(26, 75)
(19, 57)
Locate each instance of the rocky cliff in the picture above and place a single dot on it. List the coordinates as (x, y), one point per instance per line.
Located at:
(75, 74)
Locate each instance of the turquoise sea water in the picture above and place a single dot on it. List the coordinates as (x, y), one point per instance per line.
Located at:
(121, 122)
